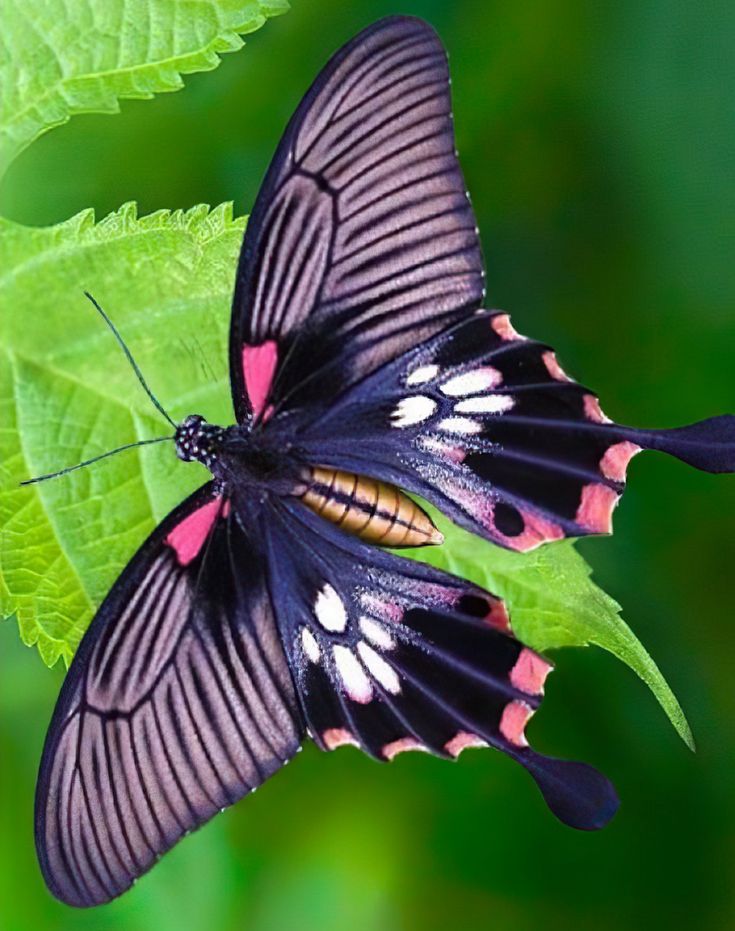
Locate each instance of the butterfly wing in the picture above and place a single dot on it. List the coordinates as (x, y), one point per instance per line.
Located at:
(362, 246)
(486, 425)
(178, 702)
(389, 654)
(362, 240)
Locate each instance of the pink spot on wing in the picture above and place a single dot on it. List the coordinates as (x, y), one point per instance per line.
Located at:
(504, 328)
(480, 506)
(593, 411)
(614, 463)
(445, 450)
(595, 508)
(188, 537)
(513, 721)
(536, 530)
(463, 740)
(258, 366)
(338, 737)
(553, 367)
(455, 453)
(434, 594)
(402, 745)
(387, 610)
(497, 616)
(530, 672)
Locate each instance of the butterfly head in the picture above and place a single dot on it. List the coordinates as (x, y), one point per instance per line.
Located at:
(198, 440)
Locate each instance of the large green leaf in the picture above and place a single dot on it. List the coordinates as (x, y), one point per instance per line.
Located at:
(61, 57)
(166, 280)
(67, 394)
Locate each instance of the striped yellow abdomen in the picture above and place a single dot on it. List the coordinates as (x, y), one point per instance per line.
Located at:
(374, 511)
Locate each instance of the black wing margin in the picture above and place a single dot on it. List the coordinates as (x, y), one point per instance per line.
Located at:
(178, 702)
(362, 241)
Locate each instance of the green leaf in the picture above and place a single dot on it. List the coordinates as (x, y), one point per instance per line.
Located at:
(59, 57)
(553, 602)
(68, 394)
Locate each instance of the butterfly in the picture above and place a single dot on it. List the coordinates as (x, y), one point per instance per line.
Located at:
(268, 606)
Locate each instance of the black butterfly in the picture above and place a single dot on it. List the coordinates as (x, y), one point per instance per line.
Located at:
(361, 363)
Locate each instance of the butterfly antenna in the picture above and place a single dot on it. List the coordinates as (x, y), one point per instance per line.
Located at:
(130, 359)
(81, 465)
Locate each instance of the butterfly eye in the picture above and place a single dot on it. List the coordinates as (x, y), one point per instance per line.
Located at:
(188, 435)
(192, 422)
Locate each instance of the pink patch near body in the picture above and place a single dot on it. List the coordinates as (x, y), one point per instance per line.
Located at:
(553, 367)
(463, 740)
(513, 721)
(595, 509)
(258, 366)
(188, 537)
(530, 672)
(614, 463)
(338, 737)
(593, 411)
(504, 328)
(402, 745)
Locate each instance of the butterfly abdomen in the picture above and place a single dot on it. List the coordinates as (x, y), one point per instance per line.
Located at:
(374, 511)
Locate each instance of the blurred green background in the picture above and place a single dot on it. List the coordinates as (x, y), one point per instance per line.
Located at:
(598, 141)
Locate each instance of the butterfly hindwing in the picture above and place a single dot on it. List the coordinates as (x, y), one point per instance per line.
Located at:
(362, 240)
(486, 425)
(179, 701)
(389, 654)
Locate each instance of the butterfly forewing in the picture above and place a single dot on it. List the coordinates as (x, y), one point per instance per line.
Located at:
(362, 241)
(178, 703)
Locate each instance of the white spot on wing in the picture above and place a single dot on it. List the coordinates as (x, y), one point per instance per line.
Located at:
(459, 425)
(423, 374)
(413, 409)
(486, 404)
(379, 669)
(376, 633)
(353, 676)
(471, 382)
(311, 647)
(330, 610)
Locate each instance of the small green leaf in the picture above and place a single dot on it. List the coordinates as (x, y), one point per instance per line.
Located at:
(553, 602)
(58, 58)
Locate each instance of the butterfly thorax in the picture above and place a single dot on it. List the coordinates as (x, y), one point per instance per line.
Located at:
(242, 461)
(197, 440)
(237, 457)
